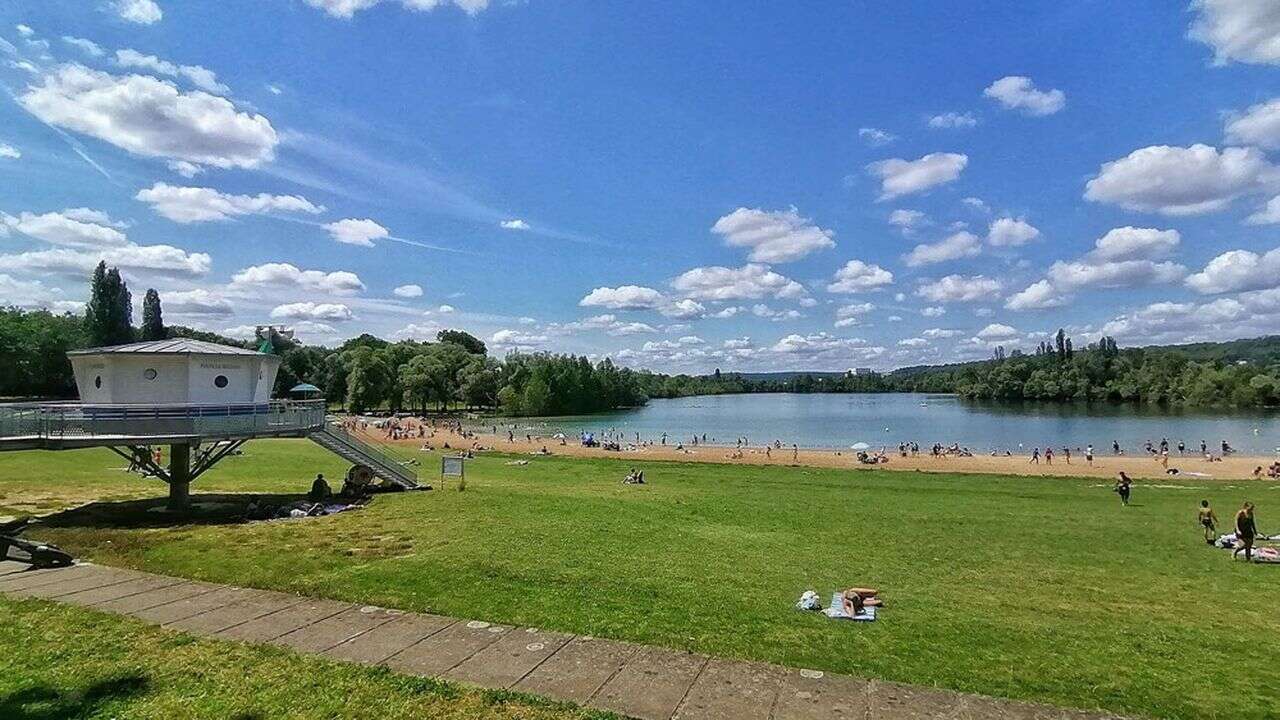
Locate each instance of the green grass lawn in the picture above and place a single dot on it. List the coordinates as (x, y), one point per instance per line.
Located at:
(1038, 589)
(63, 662)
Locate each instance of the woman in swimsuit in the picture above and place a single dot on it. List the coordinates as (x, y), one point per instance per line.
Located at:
(856, 599)
(1209, 521)
(1246, 531)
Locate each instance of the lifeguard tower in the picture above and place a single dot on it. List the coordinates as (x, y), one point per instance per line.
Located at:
(202, 399)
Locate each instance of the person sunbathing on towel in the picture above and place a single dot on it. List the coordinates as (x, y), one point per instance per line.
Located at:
(855, 599)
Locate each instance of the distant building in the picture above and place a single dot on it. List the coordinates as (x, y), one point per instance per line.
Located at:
(862, 371)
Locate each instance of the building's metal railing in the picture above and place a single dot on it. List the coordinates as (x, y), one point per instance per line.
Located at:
(373, 452)
(81, 421)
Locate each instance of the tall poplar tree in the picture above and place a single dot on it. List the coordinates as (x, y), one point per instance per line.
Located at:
(152, 319)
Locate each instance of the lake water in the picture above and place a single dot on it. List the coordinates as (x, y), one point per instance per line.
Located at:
(839, 421)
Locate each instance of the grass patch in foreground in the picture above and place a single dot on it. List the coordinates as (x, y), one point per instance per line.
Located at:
(66, 662)
(1042, 589)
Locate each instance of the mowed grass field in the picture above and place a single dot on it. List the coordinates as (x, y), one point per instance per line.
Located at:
(1041, 589)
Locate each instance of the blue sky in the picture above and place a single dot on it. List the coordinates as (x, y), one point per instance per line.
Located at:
(682, 186)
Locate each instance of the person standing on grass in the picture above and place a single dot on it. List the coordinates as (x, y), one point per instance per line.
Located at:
(1246, 531)
(1208, 521)
(1124, 486)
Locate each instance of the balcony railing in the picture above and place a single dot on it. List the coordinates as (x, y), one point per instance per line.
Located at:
(76, 421)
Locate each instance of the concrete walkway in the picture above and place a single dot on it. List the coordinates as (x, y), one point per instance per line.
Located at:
(644, 682)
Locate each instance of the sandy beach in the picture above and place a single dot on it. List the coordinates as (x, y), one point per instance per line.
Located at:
(1234, 467)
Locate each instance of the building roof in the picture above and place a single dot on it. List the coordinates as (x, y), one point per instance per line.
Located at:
(175, 346)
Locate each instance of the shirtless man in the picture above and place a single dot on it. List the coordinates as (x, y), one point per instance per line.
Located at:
(1209, 521)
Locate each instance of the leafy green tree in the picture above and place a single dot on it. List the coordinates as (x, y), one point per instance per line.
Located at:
(367, 379)
(109, 313)
(473, 345)
(152, 319)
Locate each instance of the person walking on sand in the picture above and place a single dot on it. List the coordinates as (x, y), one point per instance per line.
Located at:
(1066, 454)
(795, 453)
(1208, 521)
(1124, 486)
(1088, 455)
(1246, 531)
(1035, 455)
(1048, 456)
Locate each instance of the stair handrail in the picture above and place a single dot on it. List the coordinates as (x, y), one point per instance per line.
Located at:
(393, 463)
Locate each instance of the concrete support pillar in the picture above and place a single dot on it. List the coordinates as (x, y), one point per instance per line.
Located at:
(179, 477)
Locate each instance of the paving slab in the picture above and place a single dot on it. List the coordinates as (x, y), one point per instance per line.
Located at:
(814, 695)
(192, 605)
(894, 701)
(8, 567)
(133, 604)
(31, 578)
(375, 646)
(651, 685)
(437, 653)
(300, 613)
(977, 707)
(729, 690)
(253, 605)
(503, 663)
(578, 670)
(65, 584)
(332, 631)
(135, 586)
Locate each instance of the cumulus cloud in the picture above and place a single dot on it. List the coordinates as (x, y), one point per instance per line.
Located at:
(88, 47)
(876, 137)
(949, 120)
(1080, 274)
(199, 303)
(1258, 126)
(287, 276)
(1180, 180)
(23, 293)
(908, 220)
(623, 329)
(151, 259)
(333, 312)
(408, 291)
(903, 177)
(959, 288)
(933, 311)
(940, 333)
(960, 245)
(9, 152)
(1248, 315)
(516, 339)
(515, 224)
(772, 236)
(857, 276)
(142, 12)
(913, 342)
(151, 118)
(625, 297)
(1124, 257)
(1011, 232)
(1131, 243)
(1268, 214)
(976, 203)
(354, 231)
(749, 282)
(1238, 270)
(201, 204)
(761, 310)
(683, 309)
(1016, 92)
(446, 309)
(75, 228)
(1245, 31)
(201, 77)
(346, 9)
(1037, 296)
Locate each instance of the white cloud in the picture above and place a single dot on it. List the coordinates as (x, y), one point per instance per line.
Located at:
(772, 236)
(1238, 270)
(1037, 296)
(631, 328)
(516, 224)
(201, 204)
(959, 288)
(89, 47)
(201, 77)
(23, 293)
(948, 120)
(857, 276)
(960, 245)
(201, 303)
(626, 297)
(749, 282)
(24, 30)
(1124, 257)
(354, 231)
(75, 228)
(940, 333)
(142, 12)
(854, 310)
(764, 311)
(446, 309)
(727, 313)
(1131, 243)
(1011, 232)
(153, 259)
(1249, 315)
(333, 312)
(9, 152)
(997, 331)
(1269, 214)
(913, 342)
(1114, 274)
(1258, 126)
(821, 345)
(976, 203)
(151, 118)
(683, 309)
(1015, 92)
(933, 311)
(516, 339)
(285, 275)
(408, 291)
(1180, 180)
(1246, 31)
(876, 137)
(903, 177)
(908, 220)
(346, 9)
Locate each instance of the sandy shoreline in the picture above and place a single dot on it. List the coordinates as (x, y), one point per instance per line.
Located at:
(1234, 467)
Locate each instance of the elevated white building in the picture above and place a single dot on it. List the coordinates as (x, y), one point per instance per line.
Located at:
(177, 371)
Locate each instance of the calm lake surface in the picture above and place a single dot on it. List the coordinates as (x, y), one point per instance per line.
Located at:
(839, 421)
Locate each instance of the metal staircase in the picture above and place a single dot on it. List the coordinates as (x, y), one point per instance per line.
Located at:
(334, 438)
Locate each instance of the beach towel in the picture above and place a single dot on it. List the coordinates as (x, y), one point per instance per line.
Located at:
(836, 611)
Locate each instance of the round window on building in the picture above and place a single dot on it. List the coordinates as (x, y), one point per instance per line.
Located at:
(220, 381)
(149, 373)
(97, 381)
